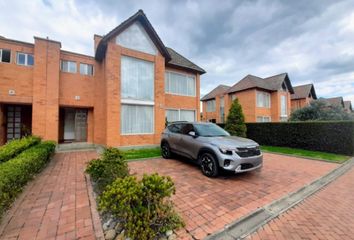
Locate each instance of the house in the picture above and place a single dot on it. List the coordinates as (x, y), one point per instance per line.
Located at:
(118, 97)
(262, 99)
(348, 106)
(335, 101)
(302, 96)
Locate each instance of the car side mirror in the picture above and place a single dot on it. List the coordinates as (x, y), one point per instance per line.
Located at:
(192, 133)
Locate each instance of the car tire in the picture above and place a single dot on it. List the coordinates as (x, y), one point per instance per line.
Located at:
(209, 165)
(166, 150)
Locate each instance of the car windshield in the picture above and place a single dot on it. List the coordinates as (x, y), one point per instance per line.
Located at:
(210, 130)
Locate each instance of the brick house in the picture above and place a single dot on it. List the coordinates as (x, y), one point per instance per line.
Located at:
(118, 97)
(302, 96)
(262, 99)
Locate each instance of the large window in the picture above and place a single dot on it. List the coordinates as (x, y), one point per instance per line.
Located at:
(68, 66)
(137, 79)
(137, 119)
(5, 55)
(24, 59)
(283, 106)
(263, 119)
(210, 106)
(86, 69)
(173, 115)
(180, 84)
(263, 99)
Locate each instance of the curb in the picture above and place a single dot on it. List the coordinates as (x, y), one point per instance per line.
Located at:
(248, 224)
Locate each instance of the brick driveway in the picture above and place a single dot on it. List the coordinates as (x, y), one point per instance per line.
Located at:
(328, 214)
(207, 205)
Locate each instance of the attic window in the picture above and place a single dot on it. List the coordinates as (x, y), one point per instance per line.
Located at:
(5, 55)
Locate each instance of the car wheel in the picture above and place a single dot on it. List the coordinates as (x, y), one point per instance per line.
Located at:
(209, 165)
(166, 150)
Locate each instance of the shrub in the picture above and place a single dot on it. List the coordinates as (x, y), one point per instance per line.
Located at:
(235, 122)
(105, 170)
(14, 147)
(144, 206)
(334, 136)
(16, 172)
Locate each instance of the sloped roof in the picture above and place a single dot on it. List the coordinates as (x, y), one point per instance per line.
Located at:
(303, 91)
(178, 60)
(335, 101)
(219, 90)
(348, 106)
(272, 83)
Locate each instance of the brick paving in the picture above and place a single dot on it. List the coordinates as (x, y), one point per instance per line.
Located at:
(328, 214)
(55, 205)
(207, 205)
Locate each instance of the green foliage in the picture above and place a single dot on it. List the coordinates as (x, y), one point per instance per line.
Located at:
(14, 147)
(331, 136)
(104, 171)
(144, 205)
(16, 172)
(320, 110)
(235, 122)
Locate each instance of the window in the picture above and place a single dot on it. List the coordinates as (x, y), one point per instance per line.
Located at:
(283, 103)
(173, 115)
(5, 55)
(180, 84)
(175, 128)
(24, 59)
(263, 99)
(137, 79)
(222, 109)
(86, 69)
(137, 119)
(68, 66)
(233, 97)
(263, 119)
(210, 106)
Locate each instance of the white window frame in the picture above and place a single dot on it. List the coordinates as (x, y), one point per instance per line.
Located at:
(183, 74)
(26, 59)
(153, 120)
(263, 94)
(281, 106)
(179, 112)
(206, 107)
(86, 64)
(263, 118)
(61, 66)
(1, 49)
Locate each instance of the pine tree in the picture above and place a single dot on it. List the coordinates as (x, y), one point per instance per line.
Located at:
(235, 122)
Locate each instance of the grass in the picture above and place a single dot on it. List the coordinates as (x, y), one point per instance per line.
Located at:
(306, 153)
(141, 153)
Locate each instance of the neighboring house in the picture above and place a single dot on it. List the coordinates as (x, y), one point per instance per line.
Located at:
(348, 106)
(213, 99)
(335, 101)
(262, 99)
(119, 97)
(302, 96)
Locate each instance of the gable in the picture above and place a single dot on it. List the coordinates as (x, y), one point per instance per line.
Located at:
(135, 37)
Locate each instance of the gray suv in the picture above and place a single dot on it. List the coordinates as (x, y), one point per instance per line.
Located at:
(211, 146)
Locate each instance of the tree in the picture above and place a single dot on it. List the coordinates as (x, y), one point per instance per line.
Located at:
(320, 110)
(235, 122)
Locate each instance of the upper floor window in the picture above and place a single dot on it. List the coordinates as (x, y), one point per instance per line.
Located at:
(24, 59)
(135, 37)
(68, 66)
(180, 84)
(210, 106)
(263, 99)
(5, 55)
(283, 106)
(86, 69)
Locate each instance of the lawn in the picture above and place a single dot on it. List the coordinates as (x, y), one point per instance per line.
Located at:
(306, 153)
(142, 153)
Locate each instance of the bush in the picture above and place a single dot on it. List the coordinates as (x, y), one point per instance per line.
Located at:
(334, 136)
(14, 147)
(235, 122)
(16, 172)
(144, 206)
(105, 170)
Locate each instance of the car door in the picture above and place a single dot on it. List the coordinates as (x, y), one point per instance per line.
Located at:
(189, 143)
(174, 136)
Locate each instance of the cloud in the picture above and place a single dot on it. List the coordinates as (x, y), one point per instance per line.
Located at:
(310, 40)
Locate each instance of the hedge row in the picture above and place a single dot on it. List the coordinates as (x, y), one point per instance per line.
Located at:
(334, 136)
(14, 147)
(16, 172)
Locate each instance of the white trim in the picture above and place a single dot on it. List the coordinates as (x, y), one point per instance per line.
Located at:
(88, 65)
(137, 102)
(183, 74)
(69, 61)
(182, 109)
(26, 59)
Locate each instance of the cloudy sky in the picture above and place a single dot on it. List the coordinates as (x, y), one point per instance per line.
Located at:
(313, 41)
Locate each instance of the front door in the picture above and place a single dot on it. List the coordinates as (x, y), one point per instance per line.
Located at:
(75, 125)
(13, 122)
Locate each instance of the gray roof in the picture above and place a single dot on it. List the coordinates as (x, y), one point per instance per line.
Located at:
(219, 90)
(335, 101)
(303, 91)
(178, 60)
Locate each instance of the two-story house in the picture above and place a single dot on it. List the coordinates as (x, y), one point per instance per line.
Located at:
(262, 99)
(302, 96)
(118, 97)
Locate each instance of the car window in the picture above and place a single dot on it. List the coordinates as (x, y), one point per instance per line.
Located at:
(175, 128)
(210, 130)
(187, 128)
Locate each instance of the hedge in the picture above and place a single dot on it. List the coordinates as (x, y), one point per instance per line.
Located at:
(331, 136)
(16, 172)
(14, 147)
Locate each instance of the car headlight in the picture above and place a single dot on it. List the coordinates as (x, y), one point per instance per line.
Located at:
(226, 150)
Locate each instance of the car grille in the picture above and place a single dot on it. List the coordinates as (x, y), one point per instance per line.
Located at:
(248, 152)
